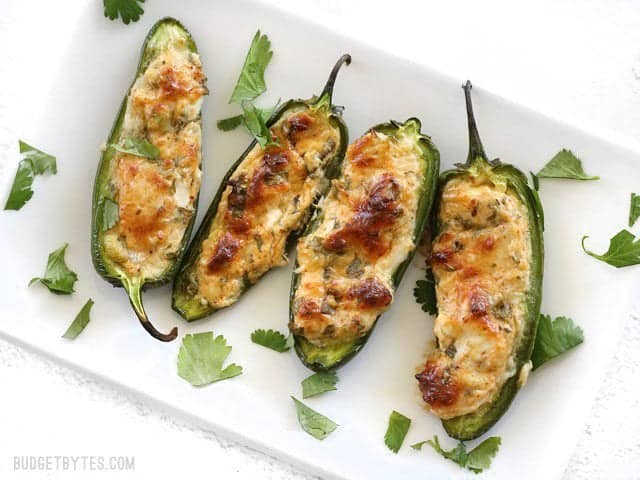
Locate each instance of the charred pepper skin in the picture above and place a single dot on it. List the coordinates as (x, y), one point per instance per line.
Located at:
(472, 425)
(336, 356)
(134, 287)
(182, 298)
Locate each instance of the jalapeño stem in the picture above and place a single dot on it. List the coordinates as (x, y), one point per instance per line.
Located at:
(134, 289)
(476, 150)
(328, 88)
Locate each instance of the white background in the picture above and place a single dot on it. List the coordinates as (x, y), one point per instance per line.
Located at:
(578, 61)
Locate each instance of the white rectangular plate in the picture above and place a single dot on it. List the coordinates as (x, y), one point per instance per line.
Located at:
(540, 429)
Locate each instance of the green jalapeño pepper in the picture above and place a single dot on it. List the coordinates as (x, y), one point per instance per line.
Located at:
(361, 240)
(146, 189)
(265, 198)
(487, 261)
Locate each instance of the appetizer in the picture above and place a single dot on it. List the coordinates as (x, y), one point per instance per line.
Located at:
(146, 189)
(360, 241)
(487, 260)
(265, 198)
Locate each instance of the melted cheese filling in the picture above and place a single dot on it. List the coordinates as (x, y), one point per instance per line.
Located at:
(480, 261)
(268, 197)
(365, 231)
(156, 197)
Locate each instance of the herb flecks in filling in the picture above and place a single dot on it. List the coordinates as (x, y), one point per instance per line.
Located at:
(365, 230)
(480, 262)
(155, 197)
(268, 197)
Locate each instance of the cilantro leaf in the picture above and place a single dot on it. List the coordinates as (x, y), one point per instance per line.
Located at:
(109, 213)
(623, 250)
(312, 422)
(251, 81)
(425, 293)
(201, 357)
(231, 123)
(57, 277)
(319, 383)
(480, 457)
(272, 339)
(34, 162)
(458, 454)
(81, 321)
(128, 10)
(476, 460)
(565, 165)
(418, 446)
(257, 126)
(554, 338)
(634, 209)
(138, 147)
(396, 431)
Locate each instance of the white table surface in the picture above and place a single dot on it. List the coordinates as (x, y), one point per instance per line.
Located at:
(577, 61)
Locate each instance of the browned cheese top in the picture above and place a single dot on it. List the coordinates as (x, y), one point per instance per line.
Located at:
(156, 196)
(364, 232)
(480, 262)
(268, 197)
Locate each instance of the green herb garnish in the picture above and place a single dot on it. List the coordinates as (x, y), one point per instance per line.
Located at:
(553, 338)
(476, 460)
(201, 358)
(425, 293)
(565, 165)
(251, 82)
(319, 383)
(138, 147)
(57, 277)
(634, 209)
(272, 339)
(312, 422)
(256, 125)
(624, 250)
(128, 10)
(81, 321)
(109, 213)
(34, 162)
(396, 431)
(231, 123)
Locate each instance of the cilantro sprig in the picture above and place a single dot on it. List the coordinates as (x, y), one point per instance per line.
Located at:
(251, 82)
(34, 162)
(251, 85)
(565, 164)
(318, 383)
(272, 339)
(231, 123)
(553, 338)
(127, 10)
(58, 278)
(476, 460)
(138, 147)
(312, 422)
(634, 209)
(80, 322)
(396, 431)
(257, 126)
(425, 293)
(201, 358)
(109, 213)
(624, 250)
